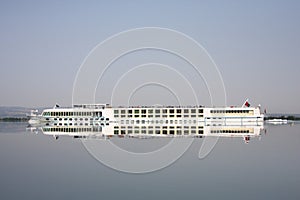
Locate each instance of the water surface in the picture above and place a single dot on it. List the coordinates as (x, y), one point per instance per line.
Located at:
(36, 166)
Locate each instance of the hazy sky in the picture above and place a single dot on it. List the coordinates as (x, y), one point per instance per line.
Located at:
(255, 44)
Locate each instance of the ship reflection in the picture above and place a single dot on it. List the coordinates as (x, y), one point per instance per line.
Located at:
(246, 132)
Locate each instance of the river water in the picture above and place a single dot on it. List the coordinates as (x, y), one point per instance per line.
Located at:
(37, 166)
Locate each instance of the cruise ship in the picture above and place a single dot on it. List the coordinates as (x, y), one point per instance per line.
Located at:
(148, 120)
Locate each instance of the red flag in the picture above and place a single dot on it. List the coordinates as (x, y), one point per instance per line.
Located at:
(247, 104)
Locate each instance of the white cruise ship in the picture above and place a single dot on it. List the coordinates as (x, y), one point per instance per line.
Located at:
(149, 120)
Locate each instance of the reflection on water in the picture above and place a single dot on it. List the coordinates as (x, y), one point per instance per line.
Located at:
(152, 131)
(145, 160)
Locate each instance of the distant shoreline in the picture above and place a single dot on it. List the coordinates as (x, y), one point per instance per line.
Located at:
(14, 119)
(289, 117)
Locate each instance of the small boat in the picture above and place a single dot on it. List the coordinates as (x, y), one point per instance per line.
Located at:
(34, 117)
(277, 121)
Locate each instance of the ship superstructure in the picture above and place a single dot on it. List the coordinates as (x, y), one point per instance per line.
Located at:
(156, 120)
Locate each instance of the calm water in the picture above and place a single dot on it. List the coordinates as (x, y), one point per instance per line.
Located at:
(36, 166)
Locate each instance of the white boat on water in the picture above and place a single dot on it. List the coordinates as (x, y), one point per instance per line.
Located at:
(158, 120)
(277, 121)
(35, 118)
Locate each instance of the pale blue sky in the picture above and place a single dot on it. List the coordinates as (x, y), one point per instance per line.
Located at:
(255, 44)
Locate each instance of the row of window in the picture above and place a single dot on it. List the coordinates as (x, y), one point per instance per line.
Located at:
(71, 119)
(71, 124)
(80, 124)
(76, 119)
(59, 129)
(156, 111)
(158, 127)
(229, 111)
(99, 114)
(156, 116)
(159, 132)
(230, 131)
(158, 121)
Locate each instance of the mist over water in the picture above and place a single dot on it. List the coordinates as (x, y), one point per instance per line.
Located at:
(35, 166)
